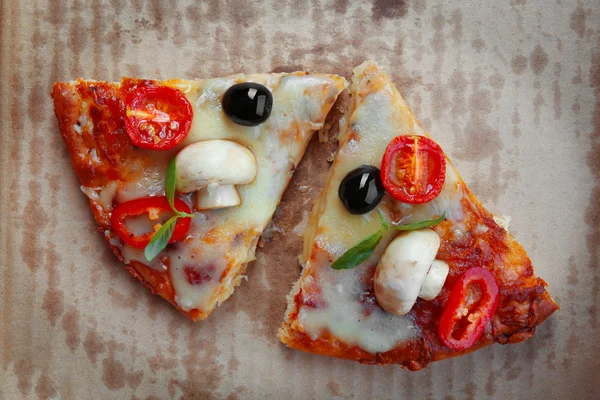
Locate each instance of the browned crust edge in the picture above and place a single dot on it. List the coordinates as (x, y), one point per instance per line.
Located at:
(415, 355)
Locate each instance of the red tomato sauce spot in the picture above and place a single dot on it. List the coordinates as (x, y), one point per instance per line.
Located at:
(199, 275)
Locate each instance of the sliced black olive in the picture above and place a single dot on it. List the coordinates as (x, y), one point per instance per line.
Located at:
(248, 104)
(361, 190)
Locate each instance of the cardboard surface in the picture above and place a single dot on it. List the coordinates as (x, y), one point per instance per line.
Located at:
(510, 90)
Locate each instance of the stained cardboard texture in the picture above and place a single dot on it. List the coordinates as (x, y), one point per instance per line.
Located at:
(510, 91)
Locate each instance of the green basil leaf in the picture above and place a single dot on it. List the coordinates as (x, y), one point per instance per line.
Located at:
(384, 223)
(364, 249)
(419, 225)
(358, 253)
(170, 183)
(160, 239)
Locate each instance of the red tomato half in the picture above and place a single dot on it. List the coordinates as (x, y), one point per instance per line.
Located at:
(413, 169)
(153, 206)
(471, 305)
(157, 117)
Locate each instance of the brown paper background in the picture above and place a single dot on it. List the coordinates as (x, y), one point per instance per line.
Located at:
(511, 91)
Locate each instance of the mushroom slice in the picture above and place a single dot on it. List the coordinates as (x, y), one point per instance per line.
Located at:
(401, 271)
(217, 197)
(434, 280)
(212, 168)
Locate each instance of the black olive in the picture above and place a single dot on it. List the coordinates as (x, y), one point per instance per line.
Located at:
(361, 190)
(248, 104)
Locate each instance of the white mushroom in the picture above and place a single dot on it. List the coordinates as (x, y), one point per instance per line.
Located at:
(434, 280)
(212, 168)
(406, 271)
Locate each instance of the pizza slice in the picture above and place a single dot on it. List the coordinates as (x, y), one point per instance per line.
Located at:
(184, 176)
(402, 263)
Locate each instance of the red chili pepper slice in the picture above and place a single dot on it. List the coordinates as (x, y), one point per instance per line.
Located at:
(157, 117)
(413, 169)
(153, 206)
(472, 303)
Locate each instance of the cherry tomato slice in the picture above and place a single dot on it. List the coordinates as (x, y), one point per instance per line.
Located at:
(413, 169)
(153, 206)
(157, 117)
(471, 305)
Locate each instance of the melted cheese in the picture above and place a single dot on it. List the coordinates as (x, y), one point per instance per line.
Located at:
(220, 241)
(84, 122)
(106, 195)
(503, 221)
(151, 183)
(102, 196)
(141, 224)
(344, 317)
(377, 116)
